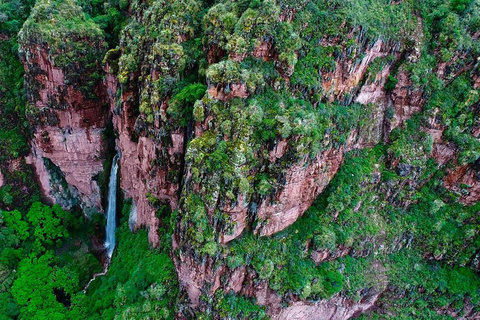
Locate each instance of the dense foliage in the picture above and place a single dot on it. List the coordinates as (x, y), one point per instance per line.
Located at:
(14, 129)
(46, 260)
(250, 74)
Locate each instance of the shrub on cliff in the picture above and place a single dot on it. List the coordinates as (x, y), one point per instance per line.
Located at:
(62, 25)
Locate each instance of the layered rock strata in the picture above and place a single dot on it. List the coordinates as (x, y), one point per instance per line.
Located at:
(68, 109)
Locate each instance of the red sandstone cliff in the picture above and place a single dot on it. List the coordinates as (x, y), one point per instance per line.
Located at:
(68, 112)
(300, 184)
(155, 157)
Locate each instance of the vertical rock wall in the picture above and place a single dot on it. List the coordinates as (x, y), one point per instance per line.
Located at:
(68, 104)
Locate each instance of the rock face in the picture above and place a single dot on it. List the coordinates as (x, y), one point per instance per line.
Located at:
(144, 181)
(465, 180)
(303, 183)
(2, 180)
(151, 141)
(407, 101)
(68, 112)
(299, 184)
(196, 149)
(334, 309)
(346, 77)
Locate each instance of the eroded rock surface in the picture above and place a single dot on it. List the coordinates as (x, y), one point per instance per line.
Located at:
(68, 111)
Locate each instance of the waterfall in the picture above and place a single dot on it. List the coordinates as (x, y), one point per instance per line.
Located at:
(112, 208)
(111, 220)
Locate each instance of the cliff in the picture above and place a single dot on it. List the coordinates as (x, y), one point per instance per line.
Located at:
(68, 106)
(320, 160)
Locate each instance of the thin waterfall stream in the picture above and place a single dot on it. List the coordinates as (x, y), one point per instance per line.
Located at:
(111, 220)
(112, 209)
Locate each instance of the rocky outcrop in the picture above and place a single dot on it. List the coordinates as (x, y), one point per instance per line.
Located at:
(78, 157)
(465, 180)
(337, 308)
(407, 100)
(227, 92)
(348, 73)
(68, 112)
(303, 183)
(2, 179)
(150, 140)
(298, 185)
(145, 182)
(268, 185)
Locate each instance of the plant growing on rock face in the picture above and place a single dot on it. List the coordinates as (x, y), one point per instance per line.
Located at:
(258, 23)
(326, 239)
(226, 72)
(238, 307)
(61, 24)
(184, 104)
(391, 83)
(210, 248)
(238, 45)
(266, 269)
(287, 42)
(169, 58)
(219, 23)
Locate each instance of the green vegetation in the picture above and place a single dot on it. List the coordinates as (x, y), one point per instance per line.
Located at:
(72, 40)
(141, 282)
(67, 30)
(20, 189)
(110, 16)
(238, 307)
(356, 213)
(49, 249)
(383, 199)
(12, 119)
(385, 222)
(28, 245)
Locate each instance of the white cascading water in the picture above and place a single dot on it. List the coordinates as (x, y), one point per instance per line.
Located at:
(112, 209)
(111, 220)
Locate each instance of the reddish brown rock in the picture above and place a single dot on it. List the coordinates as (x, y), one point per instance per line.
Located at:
(149, 169)
(196, 276)
(464, 180)
(143, 181)
(77, 154)
(68, 127)
(235, 283)
(2, 180)
(476, 82)
(265, 296)
(407, 100)
(265, 51)
(278, 151)
(301, 183)
(443, 153)
(235, 90)
(326, 255)
(214, 53)
(347, 74)
(374, 91)
(239, 214)
(288, 14)
(337, 308)
(304, 182)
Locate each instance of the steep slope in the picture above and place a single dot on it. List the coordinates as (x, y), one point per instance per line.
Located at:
(68, 101)
(320, 158)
